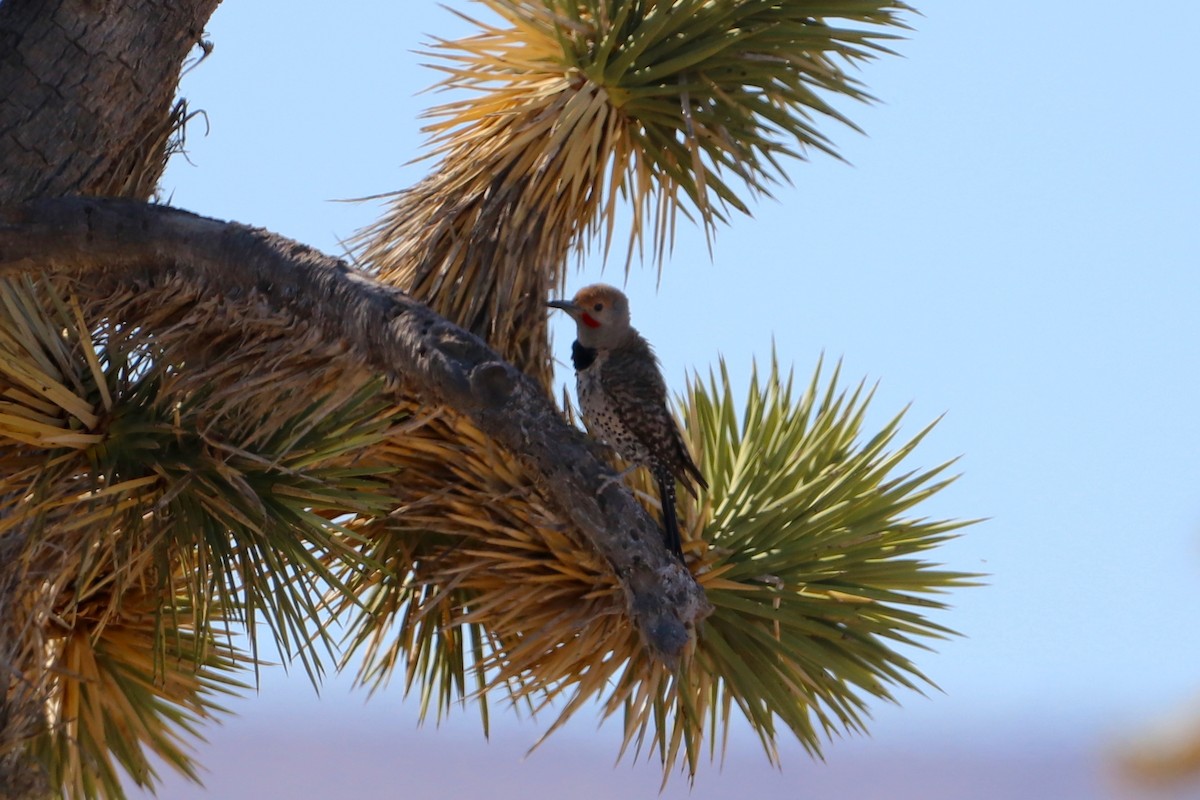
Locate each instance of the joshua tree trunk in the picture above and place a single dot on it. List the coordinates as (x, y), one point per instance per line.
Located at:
(86, 91)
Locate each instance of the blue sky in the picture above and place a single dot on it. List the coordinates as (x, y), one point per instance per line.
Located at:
(1014, 243)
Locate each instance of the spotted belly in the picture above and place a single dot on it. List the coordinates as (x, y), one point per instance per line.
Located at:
(603, 418)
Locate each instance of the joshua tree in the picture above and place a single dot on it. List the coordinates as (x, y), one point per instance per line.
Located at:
(205, 426)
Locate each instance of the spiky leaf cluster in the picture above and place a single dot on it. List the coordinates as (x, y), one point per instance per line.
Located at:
(151, 501)
(672, 104)
(141, 681)
(818, 573)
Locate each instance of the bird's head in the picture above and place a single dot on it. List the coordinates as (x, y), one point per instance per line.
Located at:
(601, 315)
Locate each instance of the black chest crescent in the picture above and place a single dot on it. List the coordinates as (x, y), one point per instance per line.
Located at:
(582, 357)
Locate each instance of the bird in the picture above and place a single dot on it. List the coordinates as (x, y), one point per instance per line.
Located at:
(623, 397)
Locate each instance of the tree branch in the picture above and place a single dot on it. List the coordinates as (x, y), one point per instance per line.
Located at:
(392, 334)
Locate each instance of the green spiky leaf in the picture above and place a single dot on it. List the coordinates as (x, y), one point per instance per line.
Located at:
(816, 568)
(148, 508)
(655, 100)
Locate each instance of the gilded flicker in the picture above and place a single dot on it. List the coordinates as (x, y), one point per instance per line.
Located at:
(623, 398)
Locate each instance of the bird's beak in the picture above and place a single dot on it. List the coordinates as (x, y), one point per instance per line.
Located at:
(565, 305)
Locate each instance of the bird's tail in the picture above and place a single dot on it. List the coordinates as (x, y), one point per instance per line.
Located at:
(666, 494)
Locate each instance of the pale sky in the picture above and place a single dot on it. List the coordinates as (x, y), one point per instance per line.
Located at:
(1015, 243)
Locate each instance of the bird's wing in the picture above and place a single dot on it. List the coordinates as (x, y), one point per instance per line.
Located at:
(634, 384)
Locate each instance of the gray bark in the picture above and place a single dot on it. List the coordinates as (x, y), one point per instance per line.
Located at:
(85, 91)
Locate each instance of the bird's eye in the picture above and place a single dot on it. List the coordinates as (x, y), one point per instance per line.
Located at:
(598, 307)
